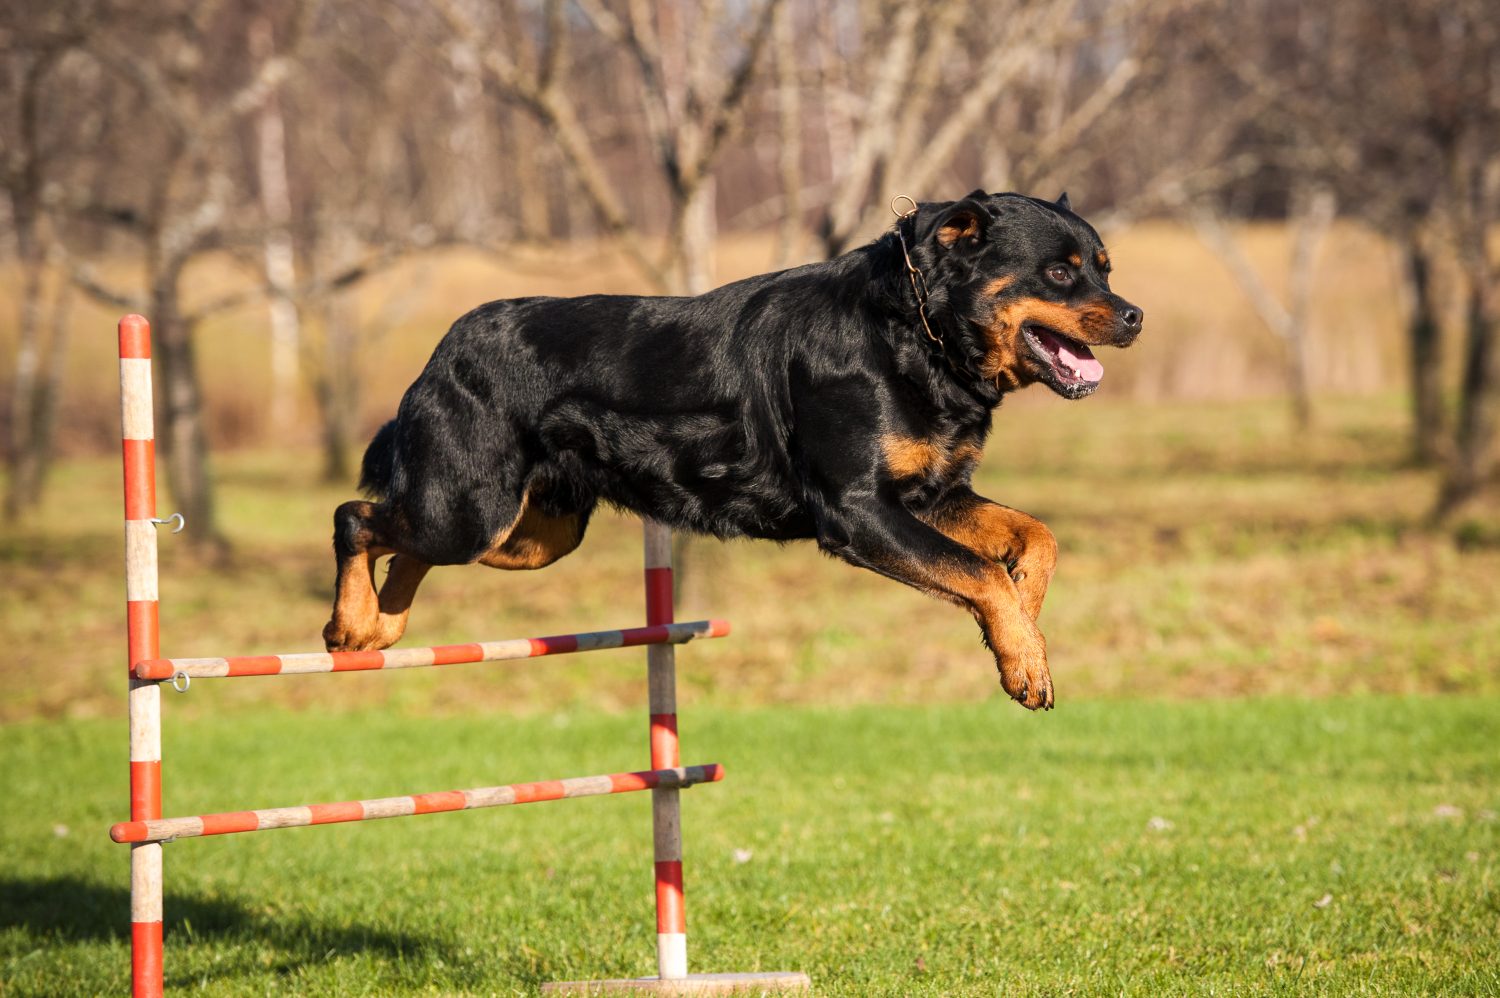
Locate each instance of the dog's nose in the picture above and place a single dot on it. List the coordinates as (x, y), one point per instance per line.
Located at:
(1132, 318)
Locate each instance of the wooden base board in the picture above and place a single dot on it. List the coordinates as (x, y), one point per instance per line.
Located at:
(694, 984)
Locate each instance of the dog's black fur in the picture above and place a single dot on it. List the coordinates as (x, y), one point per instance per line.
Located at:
(807, 404)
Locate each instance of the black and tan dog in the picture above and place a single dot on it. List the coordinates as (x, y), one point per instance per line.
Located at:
(845, 402)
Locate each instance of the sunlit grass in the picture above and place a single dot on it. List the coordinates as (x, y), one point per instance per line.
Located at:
(1347, 846)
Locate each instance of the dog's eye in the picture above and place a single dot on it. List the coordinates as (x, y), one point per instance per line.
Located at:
(1059, 274)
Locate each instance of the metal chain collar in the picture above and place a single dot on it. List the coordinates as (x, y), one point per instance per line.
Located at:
(918, 282)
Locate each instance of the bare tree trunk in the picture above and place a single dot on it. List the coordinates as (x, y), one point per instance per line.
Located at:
(1479, 408)
(1475, 167)
(49, 388)
(872, 146)
(334, 388)
(1425, 340)
(1312, 213)
(24, 164)
(280, 258)
(528, 155)
(1313, 209)
(337, 384)
(21, 455)
(469, 142)
(789, 118)
(182, 434)
(696, 236)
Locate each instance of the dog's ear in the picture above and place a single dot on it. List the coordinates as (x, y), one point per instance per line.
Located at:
(961, 224)
(977, 194)
(1063, 202)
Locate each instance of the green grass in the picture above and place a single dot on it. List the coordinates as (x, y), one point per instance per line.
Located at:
(1343, 846)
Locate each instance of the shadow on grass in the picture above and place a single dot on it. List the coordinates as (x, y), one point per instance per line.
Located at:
(66, 909)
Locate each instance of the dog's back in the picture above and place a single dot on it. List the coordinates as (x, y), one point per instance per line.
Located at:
(674, 408)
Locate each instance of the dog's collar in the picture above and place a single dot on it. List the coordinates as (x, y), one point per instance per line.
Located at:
(919, 288)
(918, 282)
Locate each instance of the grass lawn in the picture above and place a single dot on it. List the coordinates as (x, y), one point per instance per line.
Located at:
(1342, 846)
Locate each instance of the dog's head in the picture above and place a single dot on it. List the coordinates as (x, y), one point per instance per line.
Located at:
(1019, 288)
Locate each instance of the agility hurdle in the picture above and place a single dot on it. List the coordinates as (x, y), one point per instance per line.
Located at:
(147, 830)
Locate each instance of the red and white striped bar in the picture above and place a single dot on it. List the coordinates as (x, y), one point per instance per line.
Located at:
(138, 447)
(417, 658)
(666, 807)
(400, 807)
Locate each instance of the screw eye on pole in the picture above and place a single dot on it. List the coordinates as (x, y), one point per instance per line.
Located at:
(147, 830)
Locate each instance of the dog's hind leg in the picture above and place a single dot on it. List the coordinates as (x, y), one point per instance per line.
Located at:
(363, 620)
(537, 537)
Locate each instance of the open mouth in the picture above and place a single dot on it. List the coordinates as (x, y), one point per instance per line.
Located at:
(1069, 367)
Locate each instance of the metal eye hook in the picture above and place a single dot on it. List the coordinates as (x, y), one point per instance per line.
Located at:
(186, 681)
(909, 200)
(178, 518)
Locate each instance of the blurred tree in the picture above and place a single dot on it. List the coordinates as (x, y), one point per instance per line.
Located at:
(36, 55)
(1464, 93)
(1310, 212)
(921, 86)
(1426, 168)
(178, 196)
(693, 66)
(1398, 107)
(280, 257)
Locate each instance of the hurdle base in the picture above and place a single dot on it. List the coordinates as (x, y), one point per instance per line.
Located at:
(693, 984)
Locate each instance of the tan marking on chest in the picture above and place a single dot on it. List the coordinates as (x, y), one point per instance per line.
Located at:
(915, 457)
(965, 456)
(911, 457)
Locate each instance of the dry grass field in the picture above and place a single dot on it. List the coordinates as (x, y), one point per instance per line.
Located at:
(1203, 340)
(1205, 551)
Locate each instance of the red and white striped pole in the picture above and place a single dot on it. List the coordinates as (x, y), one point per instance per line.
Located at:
(666, 808)
(139, 447)
(302, 815)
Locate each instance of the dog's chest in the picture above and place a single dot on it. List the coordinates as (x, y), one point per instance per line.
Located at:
(927, 466)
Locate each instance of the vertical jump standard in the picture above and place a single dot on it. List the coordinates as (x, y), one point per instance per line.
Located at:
(147, 830)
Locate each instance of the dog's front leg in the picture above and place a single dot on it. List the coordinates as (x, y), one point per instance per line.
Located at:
(887, 538)
(1017, 540)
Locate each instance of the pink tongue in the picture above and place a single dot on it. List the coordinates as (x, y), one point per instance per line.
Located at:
(1085, 367)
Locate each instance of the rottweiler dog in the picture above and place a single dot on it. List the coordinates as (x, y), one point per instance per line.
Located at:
(845, 402)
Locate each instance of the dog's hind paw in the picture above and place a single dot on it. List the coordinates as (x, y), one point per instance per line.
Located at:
(337, 637)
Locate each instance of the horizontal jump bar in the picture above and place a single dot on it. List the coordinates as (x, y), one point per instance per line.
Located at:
(399, 807)
(416, 658)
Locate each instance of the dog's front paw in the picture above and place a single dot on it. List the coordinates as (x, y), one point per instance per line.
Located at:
(1022, 660)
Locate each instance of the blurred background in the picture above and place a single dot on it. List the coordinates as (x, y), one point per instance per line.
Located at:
(1274, 630)
(1285, 487)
